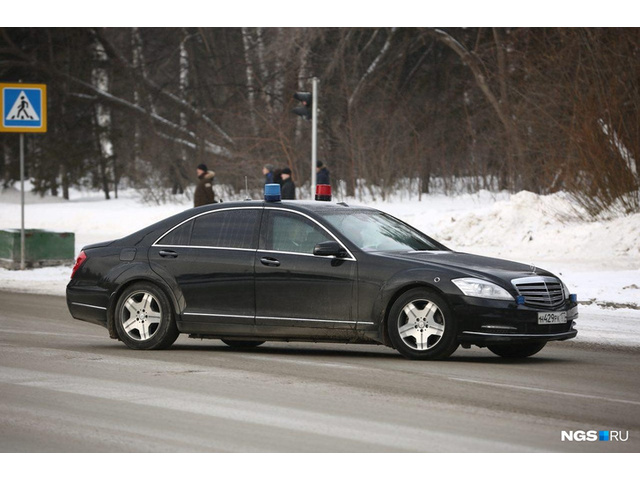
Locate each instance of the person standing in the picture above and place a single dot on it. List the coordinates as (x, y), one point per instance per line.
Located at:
(267, 171)
(322, 174)
(203, 194)
(277, 176)
(288, 189)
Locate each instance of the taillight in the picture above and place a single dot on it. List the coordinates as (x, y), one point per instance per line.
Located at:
(79, 261)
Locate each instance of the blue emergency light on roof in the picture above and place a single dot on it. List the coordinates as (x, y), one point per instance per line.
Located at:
(272, 192)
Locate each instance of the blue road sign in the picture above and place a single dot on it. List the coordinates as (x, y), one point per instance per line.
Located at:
(23, 107)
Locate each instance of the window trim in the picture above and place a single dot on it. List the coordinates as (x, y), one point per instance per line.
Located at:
(211, 212)
(158, 243)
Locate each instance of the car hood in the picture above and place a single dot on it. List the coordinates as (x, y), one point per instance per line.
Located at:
(458, 263)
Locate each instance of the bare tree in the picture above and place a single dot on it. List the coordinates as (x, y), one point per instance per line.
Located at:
(101, 82)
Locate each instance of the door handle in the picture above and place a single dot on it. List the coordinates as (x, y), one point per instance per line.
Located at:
(168, 254)
(270, 262)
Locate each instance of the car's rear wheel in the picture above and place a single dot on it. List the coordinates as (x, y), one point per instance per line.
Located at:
(421, 326)
(144, 318)
(242, 343)
(522, 350)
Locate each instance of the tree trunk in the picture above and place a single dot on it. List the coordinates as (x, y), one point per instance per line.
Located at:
(100, 80)
(184, 95)
(138, 64)
(246, 42)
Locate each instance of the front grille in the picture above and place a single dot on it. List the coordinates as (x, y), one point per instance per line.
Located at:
(540, 291)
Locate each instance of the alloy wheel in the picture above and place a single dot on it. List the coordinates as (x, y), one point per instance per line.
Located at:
(421, 324)
(141, 315)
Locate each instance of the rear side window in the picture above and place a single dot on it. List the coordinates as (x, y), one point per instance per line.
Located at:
(178, 236)
(227, 229)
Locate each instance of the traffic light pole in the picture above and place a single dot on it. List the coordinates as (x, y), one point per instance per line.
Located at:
(314, 136)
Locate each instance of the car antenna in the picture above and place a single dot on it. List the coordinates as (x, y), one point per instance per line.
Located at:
(246, 188)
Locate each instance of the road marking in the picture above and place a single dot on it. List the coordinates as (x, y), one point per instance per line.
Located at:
(310, 422)
(546, 390)
(312, 363)
(53, 334)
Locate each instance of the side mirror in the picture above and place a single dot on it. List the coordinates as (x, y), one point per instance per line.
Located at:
(329, 249)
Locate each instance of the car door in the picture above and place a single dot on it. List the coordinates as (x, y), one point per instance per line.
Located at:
(299, 293)
(215, 271)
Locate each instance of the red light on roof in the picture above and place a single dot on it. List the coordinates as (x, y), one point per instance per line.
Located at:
(323, 193)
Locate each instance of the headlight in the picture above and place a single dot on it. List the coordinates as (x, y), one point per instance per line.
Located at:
(474, 287)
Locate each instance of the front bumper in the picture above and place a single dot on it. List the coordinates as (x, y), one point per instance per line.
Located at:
(492, 322)
(483, 339)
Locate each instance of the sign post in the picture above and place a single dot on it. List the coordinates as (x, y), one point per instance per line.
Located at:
(24, 110)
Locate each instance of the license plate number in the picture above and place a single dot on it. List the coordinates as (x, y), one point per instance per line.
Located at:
(549, 318)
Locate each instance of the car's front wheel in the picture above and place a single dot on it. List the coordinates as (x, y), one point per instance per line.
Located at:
(518, 350)
(421, 326)
(144, 318)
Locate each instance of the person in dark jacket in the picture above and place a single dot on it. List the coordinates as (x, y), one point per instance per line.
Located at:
(288, 189)
(267, 171)
(203, 194)
(322, 174)
(277, 176)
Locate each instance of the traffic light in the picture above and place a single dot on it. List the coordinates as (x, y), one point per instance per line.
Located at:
(305, 111)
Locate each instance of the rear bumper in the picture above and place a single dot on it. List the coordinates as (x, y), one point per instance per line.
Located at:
(87, 305)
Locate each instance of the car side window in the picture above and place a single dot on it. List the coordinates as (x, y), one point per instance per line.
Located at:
(289, 232)
(179, 236)
(226, 229)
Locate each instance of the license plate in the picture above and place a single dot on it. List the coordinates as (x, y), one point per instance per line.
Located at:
(549, 318)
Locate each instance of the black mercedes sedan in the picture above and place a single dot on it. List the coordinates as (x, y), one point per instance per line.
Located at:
(256, 271)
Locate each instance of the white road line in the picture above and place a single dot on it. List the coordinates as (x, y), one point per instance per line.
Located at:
(546, 390)
(52, 334)
(311, 363)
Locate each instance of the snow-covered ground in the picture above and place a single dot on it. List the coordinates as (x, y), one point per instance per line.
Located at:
(600, 261)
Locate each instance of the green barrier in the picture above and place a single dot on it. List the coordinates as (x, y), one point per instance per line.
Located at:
(42, 248)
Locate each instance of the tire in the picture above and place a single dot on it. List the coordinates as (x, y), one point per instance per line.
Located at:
(144, 318)
(242, 343)
(522, 350)
(421, 326)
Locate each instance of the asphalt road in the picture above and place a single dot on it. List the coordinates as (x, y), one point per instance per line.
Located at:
(66, 387)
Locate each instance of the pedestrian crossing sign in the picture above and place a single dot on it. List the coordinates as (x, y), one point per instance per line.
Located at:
(23, 107)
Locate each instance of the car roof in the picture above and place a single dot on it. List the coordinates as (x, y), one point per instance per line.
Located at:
(297, 205)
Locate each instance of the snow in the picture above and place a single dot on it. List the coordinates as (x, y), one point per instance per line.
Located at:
(598, 260)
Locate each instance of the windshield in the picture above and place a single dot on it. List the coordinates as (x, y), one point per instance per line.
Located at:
(375, 231)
